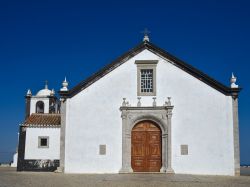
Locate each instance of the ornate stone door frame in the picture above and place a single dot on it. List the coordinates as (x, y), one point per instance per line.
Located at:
(159, 114)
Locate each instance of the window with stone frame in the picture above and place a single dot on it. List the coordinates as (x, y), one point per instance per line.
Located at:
(146, 77)
(43, 141)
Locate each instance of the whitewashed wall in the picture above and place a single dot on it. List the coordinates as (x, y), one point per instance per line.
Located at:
(202, 119)
(32, 151)
(33, 102)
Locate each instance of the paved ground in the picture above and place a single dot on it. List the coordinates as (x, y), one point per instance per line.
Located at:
(10, 178)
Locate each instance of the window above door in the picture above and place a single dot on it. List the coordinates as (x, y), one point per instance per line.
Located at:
(146, 77)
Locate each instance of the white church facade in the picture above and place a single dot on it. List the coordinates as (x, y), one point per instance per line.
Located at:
(147, 111)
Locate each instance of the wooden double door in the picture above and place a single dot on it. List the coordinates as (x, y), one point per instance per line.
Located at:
(146, 147)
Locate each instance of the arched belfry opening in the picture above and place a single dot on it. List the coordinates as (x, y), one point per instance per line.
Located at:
(146, 138)
(40, 107)
(146, 147)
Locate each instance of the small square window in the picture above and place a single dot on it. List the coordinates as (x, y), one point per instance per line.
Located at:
(43, 141)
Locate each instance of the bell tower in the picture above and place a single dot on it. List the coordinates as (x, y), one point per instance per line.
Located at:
(44, 102)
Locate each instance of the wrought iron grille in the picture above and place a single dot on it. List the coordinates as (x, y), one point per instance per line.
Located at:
(146, 80)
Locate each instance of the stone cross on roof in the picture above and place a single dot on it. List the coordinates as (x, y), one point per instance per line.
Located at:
(146, 32)
(46, 84)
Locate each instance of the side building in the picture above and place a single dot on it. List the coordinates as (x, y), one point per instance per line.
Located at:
(39, 134)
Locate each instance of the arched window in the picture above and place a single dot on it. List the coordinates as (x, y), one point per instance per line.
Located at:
(39, 107)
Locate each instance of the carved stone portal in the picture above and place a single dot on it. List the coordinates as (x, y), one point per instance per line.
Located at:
(160, 115)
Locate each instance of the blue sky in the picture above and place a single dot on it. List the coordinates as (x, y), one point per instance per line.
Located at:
(46, 40)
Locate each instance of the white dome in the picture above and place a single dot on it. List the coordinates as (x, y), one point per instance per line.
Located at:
(44, 92)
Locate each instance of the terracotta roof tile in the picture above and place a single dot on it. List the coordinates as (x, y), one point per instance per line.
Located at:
(43, 120)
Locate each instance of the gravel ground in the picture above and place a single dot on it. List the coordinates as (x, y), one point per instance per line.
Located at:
(10, 178)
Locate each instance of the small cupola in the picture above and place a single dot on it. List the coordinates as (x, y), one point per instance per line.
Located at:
(44, 92)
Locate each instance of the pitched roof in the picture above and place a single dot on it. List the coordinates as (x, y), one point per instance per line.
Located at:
(158, 51)
(45, 120)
